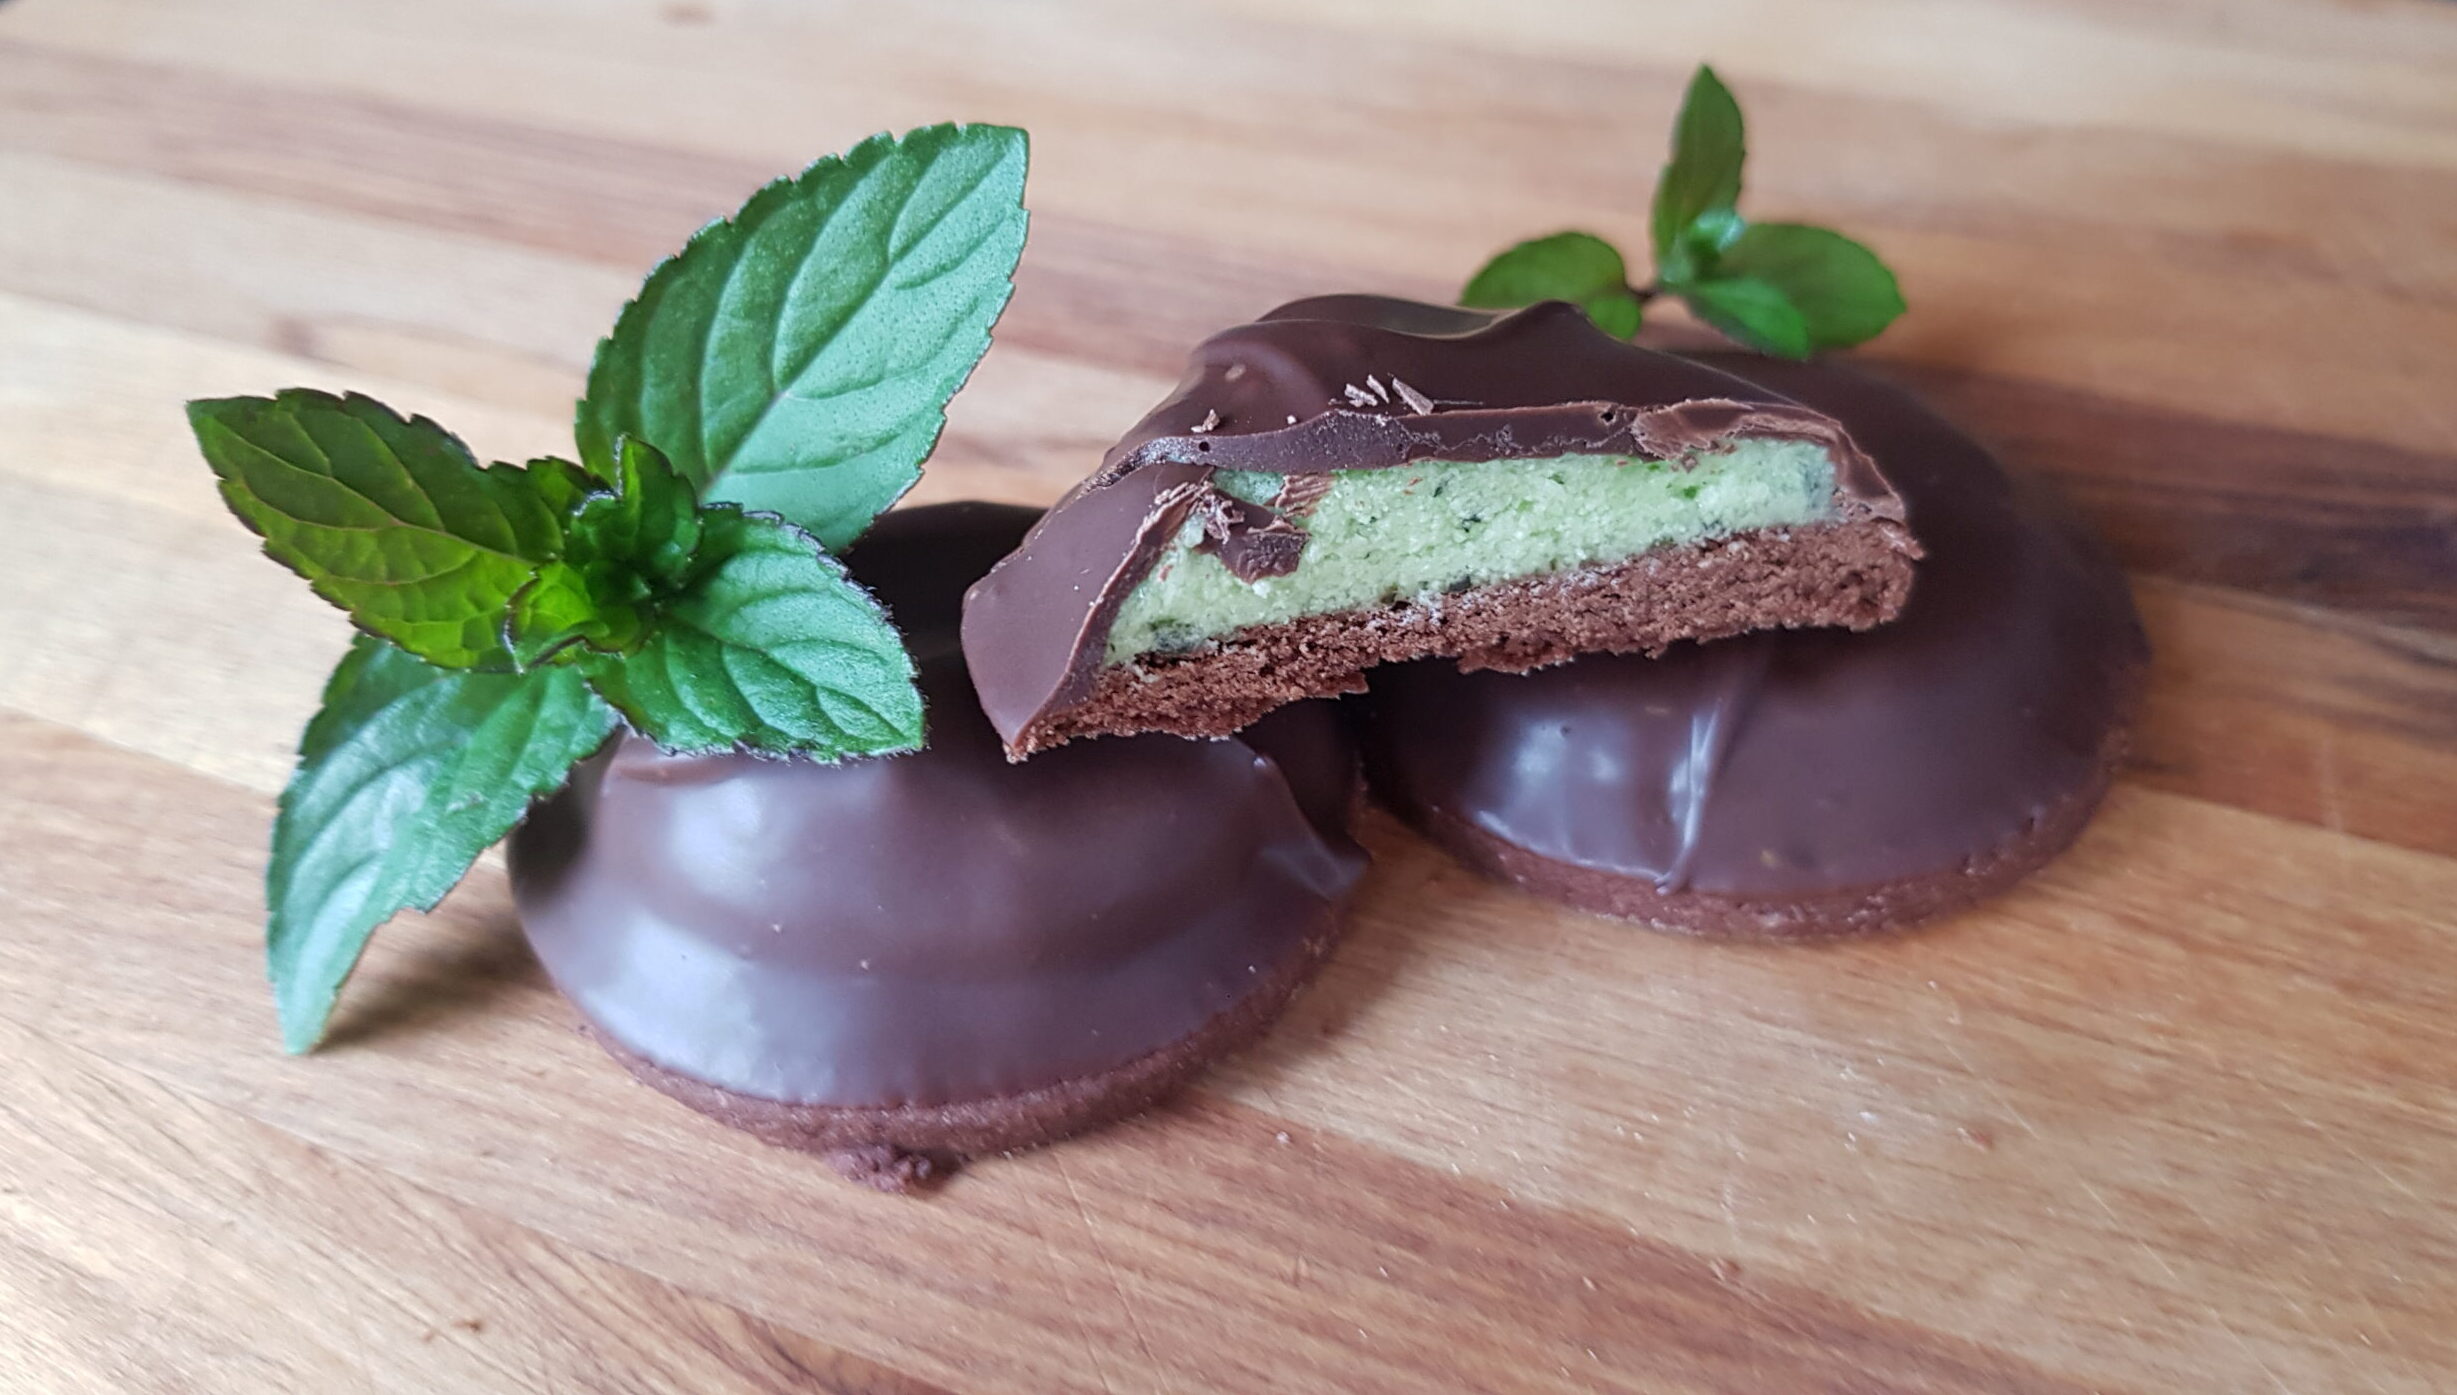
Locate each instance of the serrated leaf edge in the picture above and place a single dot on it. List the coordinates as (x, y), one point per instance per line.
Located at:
(596, 448)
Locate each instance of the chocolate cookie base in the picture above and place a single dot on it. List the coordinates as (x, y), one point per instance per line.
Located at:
(899, 1148)
(1842, 914)
(1853, 575)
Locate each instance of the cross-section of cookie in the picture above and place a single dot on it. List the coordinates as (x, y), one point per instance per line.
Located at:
(1353, 481)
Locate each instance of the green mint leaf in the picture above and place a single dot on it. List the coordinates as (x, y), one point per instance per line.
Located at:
(649, 522)
(1697, 253)
(623, 549)
(1617, 313)
(565, 605)
(389, 518)
(406, 775)
(798, 357)
(1708, 144)
(560, 484)
(769, 647)
(1843, 293)
(1755, 312)
(1711, 232)
(1572, 266)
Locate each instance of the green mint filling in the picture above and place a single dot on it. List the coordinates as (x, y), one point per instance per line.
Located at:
(1442, 526)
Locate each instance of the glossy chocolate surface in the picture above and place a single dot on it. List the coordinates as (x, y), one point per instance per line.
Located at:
(941, 926)
(1795, 762)
(1346, 383)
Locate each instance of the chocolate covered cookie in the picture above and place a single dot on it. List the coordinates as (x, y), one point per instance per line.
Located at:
(1811, 783)
(900, 960)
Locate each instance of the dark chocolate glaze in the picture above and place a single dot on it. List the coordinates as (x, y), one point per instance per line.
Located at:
(1348, 382)
(941, 926)
(1797, 762)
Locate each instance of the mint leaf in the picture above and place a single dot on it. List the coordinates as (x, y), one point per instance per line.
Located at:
(1574, 266)
(560, 484)
(623, 550)
(1708, 145)
(1617, 313)
(564, 605)
(769, 646)
(406, 775)
(798, 357)
(1697, 253)
(649, 522)
(389, 518)
(1755, 312)
(1843, 293)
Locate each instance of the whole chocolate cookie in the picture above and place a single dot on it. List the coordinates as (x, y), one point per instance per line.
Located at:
(1803, 783)
(904, 960)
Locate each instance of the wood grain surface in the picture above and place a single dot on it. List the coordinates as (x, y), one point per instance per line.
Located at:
(2178, 1115)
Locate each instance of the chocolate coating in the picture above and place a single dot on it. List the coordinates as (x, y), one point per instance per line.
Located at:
(1818, 767)
(937, 927)
(1346, 382)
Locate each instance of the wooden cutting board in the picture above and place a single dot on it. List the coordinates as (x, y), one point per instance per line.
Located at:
(2180, 1114)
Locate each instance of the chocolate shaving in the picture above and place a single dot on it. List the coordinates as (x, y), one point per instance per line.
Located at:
(1271, 550)
(1210, 422)
(1252, 541)
(1417, 401)
(1300, 493)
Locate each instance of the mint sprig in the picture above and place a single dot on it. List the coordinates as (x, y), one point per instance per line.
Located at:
(1783, 288)
(796, 358)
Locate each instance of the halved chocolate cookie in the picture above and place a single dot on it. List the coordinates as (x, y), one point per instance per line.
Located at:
(903, 960)
(1353, 480)
(1811, 783)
